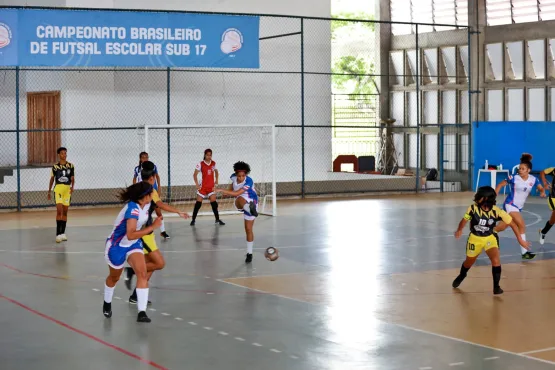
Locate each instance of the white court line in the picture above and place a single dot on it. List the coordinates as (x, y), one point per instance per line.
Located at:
(538, 351)
(152, 309)
(96, 290)
(275, 350)
(179, 319)
(491, 358)
(457, 364)
(239, 339)
(165, 314)
(223, 333)
(207, 328)
(257, 344)
(192, 323)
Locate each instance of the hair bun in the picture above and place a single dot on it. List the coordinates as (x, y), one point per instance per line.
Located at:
(526, 157)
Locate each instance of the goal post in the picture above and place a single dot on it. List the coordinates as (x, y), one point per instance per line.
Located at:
(178, 149)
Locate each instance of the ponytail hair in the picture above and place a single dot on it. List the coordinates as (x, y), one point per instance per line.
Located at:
(135, 192)
(526, 158)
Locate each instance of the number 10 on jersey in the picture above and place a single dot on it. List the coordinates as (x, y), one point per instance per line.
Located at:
(200, 49)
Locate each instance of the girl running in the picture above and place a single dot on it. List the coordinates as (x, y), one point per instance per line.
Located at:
(483, 215)
(520, 187)
(205, 188)
(550, 201)
(246, 200)
(125, 243)
(143, 157)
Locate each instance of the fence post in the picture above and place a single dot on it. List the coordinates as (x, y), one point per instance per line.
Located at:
(17, 139)
(168, 134)
(470, 164)
(418, 73)
(302, 112)
(441, 156)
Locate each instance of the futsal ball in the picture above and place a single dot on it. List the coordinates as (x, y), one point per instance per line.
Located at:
(271, 254)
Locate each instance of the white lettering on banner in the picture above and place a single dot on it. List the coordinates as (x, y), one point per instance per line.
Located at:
(131, 48)
(38, 47)
(79, 32)
(167, 34)
(178, 49)
(79, 48)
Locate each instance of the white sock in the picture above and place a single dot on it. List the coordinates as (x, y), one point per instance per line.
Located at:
(163, 227)
(108, 293)
(522, 249)
(249, 247)
(142, 298)
(247, 208)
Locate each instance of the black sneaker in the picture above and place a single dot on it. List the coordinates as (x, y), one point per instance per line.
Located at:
(528, 256)
(142, 317)
(249, 258)
(193, 223)
(220, 222)
(107, 310)
(133, 300)
(497, 290)
(129, 272)
(252, 208)
(164, 235)
(458, 280)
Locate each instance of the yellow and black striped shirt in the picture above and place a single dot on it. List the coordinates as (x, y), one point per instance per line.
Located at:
(63, 173)
(482, 223)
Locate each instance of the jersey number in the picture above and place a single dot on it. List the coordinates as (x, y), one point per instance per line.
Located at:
(483, 222)
(471, 247)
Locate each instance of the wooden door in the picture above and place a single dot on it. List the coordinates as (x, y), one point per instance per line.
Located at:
(43, 113)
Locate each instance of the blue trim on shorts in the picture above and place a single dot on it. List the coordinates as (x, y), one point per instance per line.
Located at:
(117, 255)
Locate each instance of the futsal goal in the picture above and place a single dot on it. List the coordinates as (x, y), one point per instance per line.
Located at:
(177, 149)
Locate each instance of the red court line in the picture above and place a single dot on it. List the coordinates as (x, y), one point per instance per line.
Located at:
(90, 336)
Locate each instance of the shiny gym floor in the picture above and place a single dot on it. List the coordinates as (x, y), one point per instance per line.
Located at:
(361, 283)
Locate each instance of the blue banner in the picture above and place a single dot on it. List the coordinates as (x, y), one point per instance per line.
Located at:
(71, 38)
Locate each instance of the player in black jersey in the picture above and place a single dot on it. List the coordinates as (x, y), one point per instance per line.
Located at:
(483, 216)
(63, 174)
(550, 201)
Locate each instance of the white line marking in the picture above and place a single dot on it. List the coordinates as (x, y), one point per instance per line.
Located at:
(538, 351)
(192, 323)
(223, 333)
(152, 309)
(207, 277)
(257, 344)
(457, 364)
(425, 368)
(209, 293)
(239, 339)
(126, 301)
(491, 358)
(275, 350)
(165, 314)
(117, 297)
(96, 290)
(179, 319)
(207, 328)
(294, 357)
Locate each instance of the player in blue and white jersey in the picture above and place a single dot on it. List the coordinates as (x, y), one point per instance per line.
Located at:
(125, 243)
(246, 200)
(520, 187)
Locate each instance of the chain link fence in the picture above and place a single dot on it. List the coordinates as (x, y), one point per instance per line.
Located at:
(347, 120)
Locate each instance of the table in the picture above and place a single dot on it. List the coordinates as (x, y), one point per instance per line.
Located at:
(493, 174)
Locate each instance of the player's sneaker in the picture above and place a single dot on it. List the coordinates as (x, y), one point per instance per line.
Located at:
(164, 235)
(252, 208)
(542, 237)
(107, 309)
(64, 237)
(193, 223)
(129, 272)
(249, 258)
(497, 290)
(458, 280)
(219, 222)
(59, 239)
(528, 256)
(133, 298)
(142, 317)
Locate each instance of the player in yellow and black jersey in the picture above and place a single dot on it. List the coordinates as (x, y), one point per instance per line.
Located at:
(63, 175)
(483, 216)
(550, 201)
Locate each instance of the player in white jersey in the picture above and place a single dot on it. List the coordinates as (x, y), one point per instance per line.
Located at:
(125, 243)
(520, 187)
(246, 200)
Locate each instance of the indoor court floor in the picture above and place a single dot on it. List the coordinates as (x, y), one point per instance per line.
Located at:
(361, 283)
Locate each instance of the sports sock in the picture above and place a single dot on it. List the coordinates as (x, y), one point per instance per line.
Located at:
(249, 247)
(546, 228)
(522, 249)
(464, 270)
(58, 227)
(496, 272)
(214, 205)
(108, 293)
(142, 298)
(63, 227)
(197, 208)
(162, 227)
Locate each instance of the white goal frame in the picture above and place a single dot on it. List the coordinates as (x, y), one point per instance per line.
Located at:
(264, 201)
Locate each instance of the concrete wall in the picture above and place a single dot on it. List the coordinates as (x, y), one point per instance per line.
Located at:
(114, 99)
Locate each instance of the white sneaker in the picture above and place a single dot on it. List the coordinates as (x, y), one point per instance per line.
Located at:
(58, 239)
(542, 237)
(64, 237)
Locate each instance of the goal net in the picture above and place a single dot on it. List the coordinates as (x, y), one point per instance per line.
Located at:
(177, 150)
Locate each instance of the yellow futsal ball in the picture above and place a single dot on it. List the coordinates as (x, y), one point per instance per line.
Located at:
(271, 254)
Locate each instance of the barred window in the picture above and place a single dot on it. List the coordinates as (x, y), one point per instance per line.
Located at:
(519, 11)
(450, 12)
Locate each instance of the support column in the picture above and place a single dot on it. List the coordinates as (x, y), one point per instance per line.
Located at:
(383, 44)
(477, 23)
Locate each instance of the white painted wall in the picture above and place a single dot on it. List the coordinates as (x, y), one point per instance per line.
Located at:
(116, 99)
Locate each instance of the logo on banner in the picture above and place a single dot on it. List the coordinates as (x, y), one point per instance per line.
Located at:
(232, 40)
(5, 35)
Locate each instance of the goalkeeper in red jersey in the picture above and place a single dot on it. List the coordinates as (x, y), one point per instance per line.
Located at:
(205, 188)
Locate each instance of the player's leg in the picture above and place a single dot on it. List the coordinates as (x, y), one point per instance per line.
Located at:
(473, 249)
(137, 261)
(214, 205)
(109, 287)
(65, 210)
(198, 204)
(550, 222)
(249, 224)
(163, 232)
(493, 254)
(249, 207)
(154, 261)
(59, 220)
(519, 222)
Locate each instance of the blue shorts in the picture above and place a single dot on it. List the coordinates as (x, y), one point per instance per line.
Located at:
(116, 256)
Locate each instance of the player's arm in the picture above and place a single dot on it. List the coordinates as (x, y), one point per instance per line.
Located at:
(500, 186)
(134, 234)
(195, 174)
(230, 192)
(547, 171)
(50, 185)
(72, 179)
(540, 188)
(467, 217)
(217, 176)
(166, 207)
